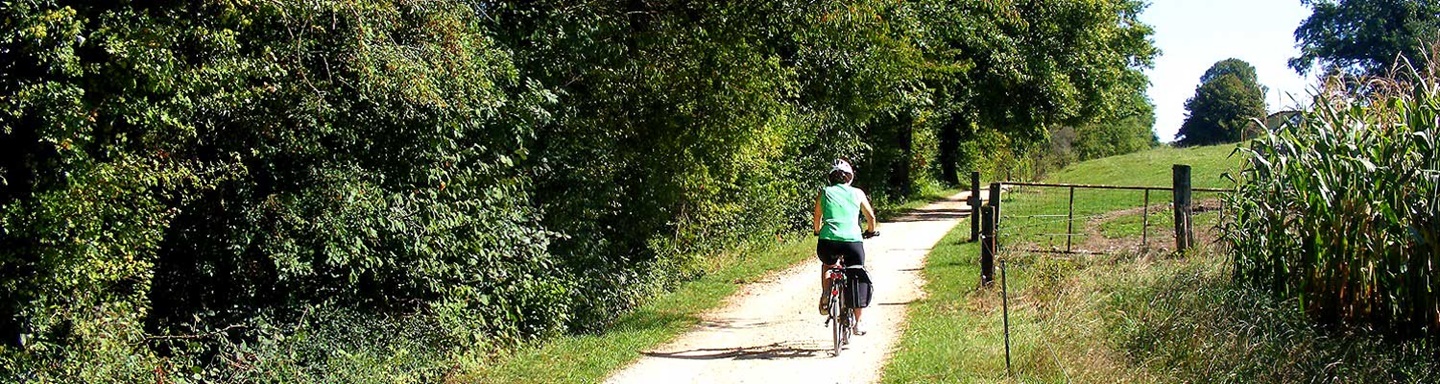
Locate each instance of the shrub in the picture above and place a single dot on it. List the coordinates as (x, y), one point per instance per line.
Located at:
(171, 164)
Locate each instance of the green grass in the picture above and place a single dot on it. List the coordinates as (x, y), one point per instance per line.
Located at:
(951, 334)
(955, 332)
(1152, 167)
(1187, 320)
(1160, 226)
(1038, 217)
(1124, 318)
(590, 358)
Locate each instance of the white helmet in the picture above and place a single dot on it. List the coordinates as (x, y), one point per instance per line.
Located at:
(842, 166)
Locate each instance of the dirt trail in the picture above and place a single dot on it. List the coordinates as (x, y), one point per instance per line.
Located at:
(770, 332)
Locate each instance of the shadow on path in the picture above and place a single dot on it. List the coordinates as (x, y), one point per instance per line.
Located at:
(932, 215)
(733, 324)
(781, 350)
(902, 303)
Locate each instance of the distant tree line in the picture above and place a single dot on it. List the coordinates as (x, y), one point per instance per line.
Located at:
(236, 189)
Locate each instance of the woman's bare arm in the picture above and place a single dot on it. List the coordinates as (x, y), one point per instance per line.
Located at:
(819, 212)
(869, 213)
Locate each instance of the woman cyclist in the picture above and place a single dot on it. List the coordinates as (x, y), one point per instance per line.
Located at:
(837, 222)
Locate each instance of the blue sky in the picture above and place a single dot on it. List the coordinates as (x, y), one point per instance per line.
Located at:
(1194, 34)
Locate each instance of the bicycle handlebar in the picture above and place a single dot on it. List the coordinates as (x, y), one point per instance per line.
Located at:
(865, 235)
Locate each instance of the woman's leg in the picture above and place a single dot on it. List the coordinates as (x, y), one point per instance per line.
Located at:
(857, 321)
(822, 251)
(823, 284)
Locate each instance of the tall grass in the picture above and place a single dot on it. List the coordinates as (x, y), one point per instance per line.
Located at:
(1340, 210)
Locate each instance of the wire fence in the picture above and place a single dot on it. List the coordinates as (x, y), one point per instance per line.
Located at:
(1097, 219)
(1027, 218)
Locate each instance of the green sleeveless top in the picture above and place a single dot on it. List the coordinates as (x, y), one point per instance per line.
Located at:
(841, 213)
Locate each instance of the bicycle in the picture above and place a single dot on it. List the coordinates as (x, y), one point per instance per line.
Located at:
(841, 316)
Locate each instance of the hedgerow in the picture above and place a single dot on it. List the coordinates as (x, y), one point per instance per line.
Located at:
(390, 191)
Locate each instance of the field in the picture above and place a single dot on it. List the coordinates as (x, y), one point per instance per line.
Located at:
(1104, 220)
(1127, 317)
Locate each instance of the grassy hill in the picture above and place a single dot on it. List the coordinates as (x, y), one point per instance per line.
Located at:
(1040, 216)
(1207, 165)
(1121, 318)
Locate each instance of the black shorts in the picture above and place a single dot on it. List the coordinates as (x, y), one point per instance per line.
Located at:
(828, 250)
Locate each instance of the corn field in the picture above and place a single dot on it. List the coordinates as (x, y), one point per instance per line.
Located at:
(1339, 210)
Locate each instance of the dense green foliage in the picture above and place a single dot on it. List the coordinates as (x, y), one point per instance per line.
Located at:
(1015, 68)
(1131, 131)
(264, 191)
(1365, 36)
(176, 168)
(1340, 211)
(1225, 107)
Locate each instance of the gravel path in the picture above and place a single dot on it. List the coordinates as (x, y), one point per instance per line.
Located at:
(770, 331)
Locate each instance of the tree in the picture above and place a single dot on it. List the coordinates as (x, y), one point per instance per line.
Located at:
(1226, 102)
(1364, 36)
(1236, 67)
(1020, 67)
(1129, 131)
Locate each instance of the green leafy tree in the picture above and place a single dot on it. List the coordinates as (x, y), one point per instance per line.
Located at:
(1365, 36)
(1225, 105)
(176, 167)
(1132, 130)
(1019, 67)
(683, 126)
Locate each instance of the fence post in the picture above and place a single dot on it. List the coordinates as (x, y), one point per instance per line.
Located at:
(1183, 234)
(974, 205)
(1145, 224)
(1005, 306)
(987, 245)
(1070, 221)
(995, 217)
(995, 199)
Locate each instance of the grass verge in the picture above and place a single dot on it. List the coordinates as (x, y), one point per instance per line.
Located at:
(1121, 319)
(1124, 318)
(1188, 321)
(590, 358)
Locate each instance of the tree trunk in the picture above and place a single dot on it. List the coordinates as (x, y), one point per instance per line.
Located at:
(949, 150)
(900, 181)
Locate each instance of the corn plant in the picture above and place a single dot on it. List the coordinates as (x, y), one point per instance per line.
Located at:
(1339, 211)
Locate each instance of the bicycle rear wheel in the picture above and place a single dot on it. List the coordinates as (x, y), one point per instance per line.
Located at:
(836, 329)
(849, 314)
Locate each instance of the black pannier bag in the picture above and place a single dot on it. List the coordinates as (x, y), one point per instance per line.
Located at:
(860, 291)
